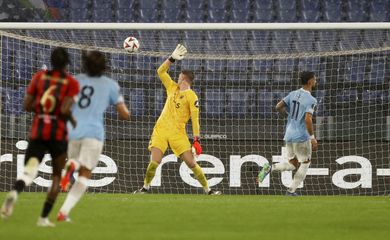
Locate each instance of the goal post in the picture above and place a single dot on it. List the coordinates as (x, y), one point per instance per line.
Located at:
(241, 71)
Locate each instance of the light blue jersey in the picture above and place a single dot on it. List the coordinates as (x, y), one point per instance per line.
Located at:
(298, 103)
(96, 94)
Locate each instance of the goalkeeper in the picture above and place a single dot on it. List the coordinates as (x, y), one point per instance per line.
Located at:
(181, 104)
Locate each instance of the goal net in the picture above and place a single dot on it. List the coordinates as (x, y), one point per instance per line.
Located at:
(239, 77)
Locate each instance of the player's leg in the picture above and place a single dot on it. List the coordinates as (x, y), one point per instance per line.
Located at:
(88, 159)
(157, 146)
(282, 166)
(181, 146)
(57, 150)
(72, 164)
(303, 152)
(34, 154)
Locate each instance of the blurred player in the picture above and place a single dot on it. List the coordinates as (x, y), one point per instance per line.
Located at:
(86, 141)
(50, 96)
(299, 105)
(181, 105)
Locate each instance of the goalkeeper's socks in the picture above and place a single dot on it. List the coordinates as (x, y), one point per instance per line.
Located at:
(299, 176)
(150, 172)
(198, 172)
(283, 166)
(74, 195)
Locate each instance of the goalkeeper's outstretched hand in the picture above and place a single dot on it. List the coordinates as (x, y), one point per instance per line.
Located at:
(196, 148)
(179, 53)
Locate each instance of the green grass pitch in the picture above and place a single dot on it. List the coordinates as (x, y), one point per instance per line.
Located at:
(154, 216)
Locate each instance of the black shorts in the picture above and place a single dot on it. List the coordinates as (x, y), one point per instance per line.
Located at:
(38, 148)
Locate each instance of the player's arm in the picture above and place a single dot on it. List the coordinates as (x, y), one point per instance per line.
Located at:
(29, 97)
(282, 108)
(69, 100)
(28, 102)
(162, 71)
(123, 111)
(310, 130)
(194, 110)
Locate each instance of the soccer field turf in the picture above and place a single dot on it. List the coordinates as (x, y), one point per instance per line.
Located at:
(125, 216)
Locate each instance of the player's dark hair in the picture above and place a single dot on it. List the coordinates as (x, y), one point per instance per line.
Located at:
(59, 58)
(305, 76)
(94, 63)
(189, 74)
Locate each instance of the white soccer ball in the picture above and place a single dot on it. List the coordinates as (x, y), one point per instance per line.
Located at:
(131, 44)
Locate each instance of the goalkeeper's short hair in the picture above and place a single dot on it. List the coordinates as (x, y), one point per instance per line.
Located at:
(189, 74)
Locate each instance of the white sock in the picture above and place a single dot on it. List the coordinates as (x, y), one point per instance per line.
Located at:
(299, 176)
(74, 195)
(283, 166)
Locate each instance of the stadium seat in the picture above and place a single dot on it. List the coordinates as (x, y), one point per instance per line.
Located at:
(308, 15)
(377, 73)
(77, 4)
(349, 40)
(333, 11)
(148, 15)
(374, 97)
(239, 16)
(195, 4)
(347, 96)
(121, 62)
(214, 103)
(126, 15)
(321, 110)
(379, 16)
(287, 4)
(264, 15)
(159, 100)
(12, 100)
(218, 4)
(23, 65)
(240, 36)
(372, 38)
(281, 77)
(216, 38)
(192, 64)
(148, 4)
(288, 15)
(236, 76)
(78, 15)
(309, 64)
(379, 5)
(172, 4)
(237, 48)
(215, 65)
(263, 65)
(125, 4)
(327, 40)
(194, 16)
(172, 15)
(102, 15)
(265, 103)
(239, 103)
(355, 70)
(259, 77)
(284, 65)
(234, 65)
(281, 41)
(105, 4)
(241, 5)
(263, 4)
(310, 5)
(305, 40)
(137, 101)
(217, 15)
(214, 77)
(7, 62)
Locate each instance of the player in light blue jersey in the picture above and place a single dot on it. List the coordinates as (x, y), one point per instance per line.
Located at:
(299, 106)
(97, 93)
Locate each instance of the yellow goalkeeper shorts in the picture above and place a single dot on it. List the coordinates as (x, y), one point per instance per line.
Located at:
(176, 140)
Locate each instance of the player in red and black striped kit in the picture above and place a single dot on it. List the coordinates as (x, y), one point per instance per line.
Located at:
(50, 97)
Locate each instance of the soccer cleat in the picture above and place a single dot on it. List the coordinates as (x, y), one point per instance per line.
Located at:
(62, 217)
(214, 192)
(8, 205)
(44, 222)
(65, 180)
(264, 172)
(292, 194)
(141, 191)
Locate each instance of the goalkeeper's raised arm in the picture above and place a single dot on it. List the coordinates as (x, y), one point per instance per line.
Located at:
(162, 71)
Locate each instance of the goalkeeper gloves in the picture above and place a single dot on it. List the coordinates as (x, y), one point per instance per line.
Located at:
(179, 53)
(196, 148)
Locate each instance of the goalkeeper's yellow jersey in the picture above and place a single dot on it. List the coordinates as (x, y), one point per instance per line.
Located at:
(179, 107)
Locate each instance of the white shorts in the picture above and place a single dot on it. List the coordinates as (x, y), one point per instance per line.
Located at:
(86, 151)
(301, 151)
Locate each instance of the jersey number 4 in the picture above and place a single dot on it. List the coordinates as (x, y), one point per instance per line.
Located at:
(86, 94)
